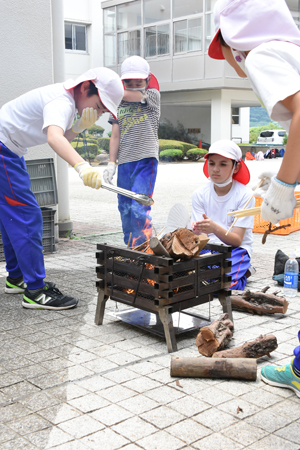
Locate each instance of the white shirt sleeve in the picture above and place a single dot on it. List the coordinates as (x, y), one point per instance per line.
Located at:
(58, 112)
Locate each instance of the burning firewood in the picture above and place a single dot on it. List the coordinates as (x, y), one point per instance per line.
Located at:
(259, 302)
(215, 336)
(183, 244)
(261, 346)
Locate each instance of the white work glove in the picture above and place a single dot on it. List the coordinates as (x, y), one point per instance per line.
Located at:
(90, 176)
(109, 172)
(279, 201)
(268, 175)
(87, 119)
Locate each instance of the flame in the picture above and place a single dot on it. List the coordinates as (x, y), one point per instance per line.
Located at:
(146, 231)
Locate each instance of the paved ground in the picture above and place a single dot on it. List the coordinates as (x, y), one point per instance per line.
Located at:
(67, 384)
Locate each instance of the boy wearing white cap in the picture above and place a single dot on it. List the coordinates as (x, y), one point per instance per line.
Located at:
(43, 115)
(134, 143)
(261, 41)
(226, 192)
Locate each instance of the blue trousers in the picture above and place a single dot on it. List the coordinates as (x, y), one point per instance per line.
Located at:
(21, 222)
(240, 263)
(137, 176)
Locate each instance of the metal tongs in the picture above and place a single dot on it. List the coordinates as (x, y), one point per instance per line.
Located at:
(140, 198)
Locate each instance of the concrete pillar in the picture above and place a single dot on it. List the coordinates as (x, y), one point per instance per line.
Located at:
(64, 223)
(220, 116)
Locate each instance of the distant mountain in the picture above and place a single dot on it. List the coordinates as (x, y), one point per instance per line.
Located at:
(259, 117)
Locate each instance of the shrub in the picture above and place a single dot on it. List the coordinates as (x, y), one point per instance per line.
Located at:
(85, 150)
(171, 154)
(104, 143)
(96, 130)
(167, 130)
(196, 153)
(164, 144)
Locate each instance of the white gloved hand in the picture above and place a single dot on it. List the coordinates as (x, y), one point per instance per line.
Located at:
(279, 201)
(109, 172)
(90, 176)
(267, 175)
(87, 119)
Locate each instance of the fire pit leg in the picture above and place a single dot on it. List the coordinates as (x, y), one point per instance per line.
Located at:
(101, 302)
(167, 322)
(226, 303)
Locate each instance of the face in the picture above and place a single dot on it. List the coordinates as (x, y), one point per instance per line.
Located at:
(135, 84)
(220, 168)
(227, 53)
(83, 101)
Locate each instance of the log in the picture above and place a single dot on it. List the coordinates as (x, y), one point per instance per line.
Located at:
(259, 302)
(215, 336)
(183, 244)
(157, 247)
(261, 346)
(242, 369)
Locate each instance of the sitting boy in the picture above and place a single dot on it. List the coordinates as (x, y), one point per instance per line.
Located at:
(226, 192)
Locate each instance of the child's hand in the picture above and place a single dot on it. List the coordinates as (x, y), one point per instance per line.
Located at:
(90, 176)
(203, 226)
(279, 202)
(87, 119)
(109, 172)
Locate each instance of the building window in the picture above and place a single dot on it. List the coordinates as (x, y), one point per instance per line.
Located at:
(156, 11)
(75, 37)
(129, 44)
(187, 7)
(209, 22)
(187, 35)
(235, 116)
(129, 15)
(157, 40)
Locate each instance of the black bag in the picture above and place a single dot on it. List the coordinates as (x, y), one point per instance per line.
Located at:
(280, 260)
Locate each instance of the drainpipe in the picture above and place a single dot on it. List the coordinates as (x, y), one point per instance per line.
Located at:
(64, 223)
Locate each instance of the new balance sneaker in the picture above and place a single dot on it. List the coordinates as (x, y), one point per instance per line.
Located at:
(49, 297)
(15, 285)
(281, 376)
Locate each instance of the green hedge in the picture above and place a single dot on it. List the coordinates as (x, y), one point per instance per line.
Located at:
(165, 144)
(104, 143)
(172, 154)
(92, 149)
(196, 153)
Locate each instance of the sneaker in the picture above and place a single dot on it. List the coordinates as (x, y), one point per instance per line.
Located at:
(49, 297)
(15, 285)
(281, 376)
(250, 271)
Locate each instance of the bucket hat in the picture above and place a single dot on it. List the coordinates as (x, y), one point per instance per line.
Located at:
(135, 67)
(245, 24)
(230, 150)
(108, 83)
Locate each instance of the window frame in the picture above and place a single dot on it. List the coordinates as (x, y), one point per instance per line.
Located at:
(238, 115)
(187, 18)
(157, 55)
(73, 28)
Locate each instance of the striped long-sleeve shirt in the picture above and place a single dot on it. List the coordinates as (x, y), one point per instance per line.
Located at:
(138, 124)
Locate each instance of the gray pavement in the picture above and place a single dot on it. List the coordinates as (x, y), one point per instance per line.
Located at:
(68, 384)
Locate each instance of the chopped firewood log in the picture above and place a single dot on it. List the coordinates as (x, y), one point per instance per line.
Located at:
(242, 369)
(157, 247)
(259, 302)
(215, 336)
(183, 243)
(261, 346)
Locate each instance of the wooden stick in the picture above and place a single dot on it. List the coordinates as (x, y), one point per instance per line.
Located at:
(129, 240)
(160, 232)
(246, 204)
(253, 211)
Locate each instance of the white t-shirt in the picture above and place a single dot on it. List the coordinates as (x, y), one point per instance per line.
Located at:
(206, 201)
(273, 69)
(24, 120)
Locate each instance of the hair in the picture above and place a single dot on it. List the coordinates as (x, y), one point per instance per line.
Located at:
(221, 40)
(92, 89)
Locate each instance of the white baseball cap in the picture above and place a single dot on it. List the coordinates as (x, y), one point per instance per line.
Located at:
(230, 150)
(245, 24)
(108, 83)
(135, 67)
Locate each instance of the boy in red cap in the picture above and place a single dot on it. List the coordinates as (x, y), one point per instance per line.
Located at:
(134, 143)
(44, 115)
(261, 41)
(226, 192)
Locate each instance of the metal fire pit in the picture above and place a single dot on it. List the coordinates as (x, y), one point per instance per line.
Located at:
(159, 289)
